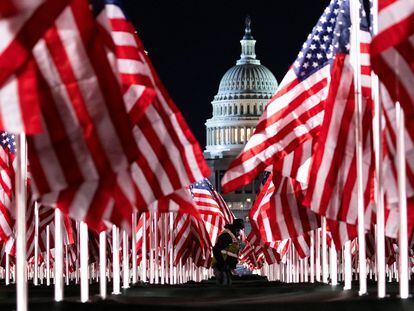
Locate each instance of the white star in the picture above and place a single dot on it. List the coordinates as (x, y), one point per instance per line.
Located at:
(319, 55)
(296, 64)
(313, 47)
(319, 28)
(305, 65)
(348, 46)
(315, 64)
(329, 29)
(300, 55)
(316, 38)
(325, 38)
(309, 56)
(323, 18)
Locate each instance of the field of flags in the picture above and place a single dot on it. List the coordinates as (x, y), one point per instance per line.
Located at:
(101, 178)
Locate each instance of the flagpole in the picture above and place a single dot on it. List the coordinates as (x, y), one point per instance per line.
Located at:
(7, 268)
(133, 247)
(324, 253)
(402, 202)
(48, 255)
(171, 248)
(356, 62)
(155, 264)
(67, 265)
(379, 192)
(125, 265)
(312, 256)
(21, 192)
(36, 245)
(144, 248)
(58, 275)
(333, 262)
(102, 264)
(347, 265)
(318, 255)
(84, 258)
(115, 261)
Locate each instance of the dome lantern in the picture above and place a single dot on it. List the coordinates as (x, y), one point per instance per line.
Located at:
(248, 54)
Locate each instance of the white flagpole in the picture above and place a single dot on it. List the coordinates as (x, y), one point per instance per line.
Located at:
(102, 264)
(7, 268)
(66, 265)
(156, 242)
(379, 192)
(133, 247)
(21, 175)
(36, 246)
(144, 249)
(84, 258)
(325, 267)
(318, 255)
(333, 263)
(47, 255)
(402, 202)
(58, 275)
(347, 265)
(125, 263)
(355, 57)
(115, 261)
(151, 244)
(312, 256)
(171, 248)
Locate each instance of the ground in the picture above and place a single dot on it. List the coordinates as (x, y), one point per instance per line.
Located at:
(245, 294)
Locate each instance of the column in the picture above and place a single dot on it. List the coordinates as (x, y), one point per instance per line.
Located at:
(237, 135)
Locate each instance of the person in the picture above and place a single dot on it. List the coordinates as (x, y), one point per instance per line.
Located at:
(226, 252)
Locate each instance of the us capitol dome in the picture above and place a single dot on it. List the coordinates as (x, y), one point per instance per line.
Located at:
(243, 93)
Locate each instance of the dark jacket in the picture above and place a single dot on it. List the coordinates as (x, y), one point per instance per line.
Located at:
(223, 241)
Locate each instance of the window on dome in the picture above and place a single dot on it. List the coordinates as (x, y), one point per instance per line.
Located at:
(248, 109)
(241, 109)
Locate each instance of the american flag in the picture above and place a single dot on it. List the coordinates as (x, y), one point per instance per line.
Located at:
(212, 207)
(332, 187)
(296, 111)
(7, 155)
(391, 53)
(171, 158)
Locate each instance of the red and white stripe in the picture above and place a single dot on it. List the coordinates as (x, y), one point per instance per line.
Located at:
(22, 21)
(171, 158)
(391, 53)
(293, 115)
(332, 190)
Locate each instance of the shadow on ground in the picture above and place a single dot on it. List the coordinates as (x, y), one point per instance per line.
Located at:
(244, 294)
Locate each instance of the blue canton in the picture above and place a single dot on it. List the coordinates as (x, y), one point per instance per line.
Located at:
(203, 184)
(8, 142)
(330, 36)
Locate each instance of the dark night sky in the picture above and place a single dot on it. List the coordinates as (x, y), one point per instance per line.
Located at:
(192, 43)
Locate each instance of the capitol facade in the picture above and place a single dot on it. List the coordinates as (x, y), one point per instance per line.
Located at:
(243, 93)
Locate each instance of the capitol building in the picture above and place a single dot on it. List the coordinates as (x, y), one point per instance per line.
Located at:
(243, 93)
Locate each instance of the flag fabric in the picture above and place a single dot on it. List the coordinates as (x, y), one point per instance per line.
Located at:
(212, 207)
(22, 24)
(87, 142)
(7, 156)
(277, 211)
(171, 158)
(391, 51)
(332, 188)
(296, 112)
